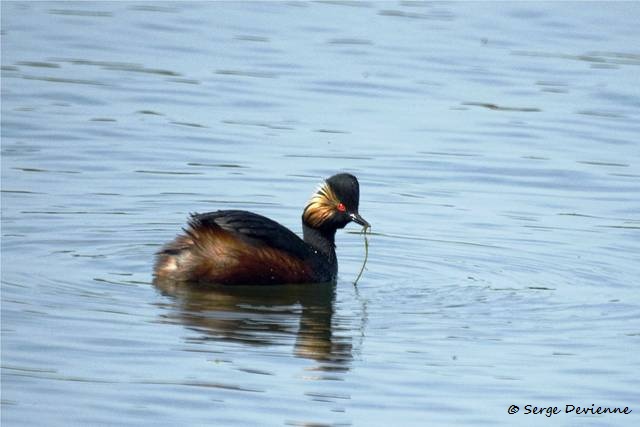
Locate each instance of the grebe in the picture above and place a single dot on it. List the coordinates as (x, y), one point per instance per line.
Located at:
(233, 247)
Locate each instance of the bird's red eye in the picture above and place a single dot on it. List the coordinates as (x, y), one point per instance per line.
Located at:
(341, 207)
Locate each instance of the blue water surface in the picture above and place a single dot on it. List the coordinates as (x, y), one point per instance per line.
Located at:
(497, 147)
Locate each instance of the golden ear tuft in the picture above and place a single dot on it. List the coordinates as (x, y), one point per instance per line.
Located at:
(321, 206)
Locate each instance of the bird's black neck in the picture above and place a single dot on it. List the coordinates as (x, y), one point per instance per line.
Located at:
(321, 240)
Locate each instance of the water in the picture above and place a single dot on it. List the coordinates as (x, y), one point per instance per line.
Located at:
(497, 149)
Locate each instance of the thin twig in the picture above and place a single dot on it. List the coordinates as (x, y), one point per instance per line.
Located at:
(366, 255)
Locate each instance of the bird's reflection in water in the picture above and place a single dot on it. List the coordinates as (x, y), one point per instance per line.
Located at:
(263, 316)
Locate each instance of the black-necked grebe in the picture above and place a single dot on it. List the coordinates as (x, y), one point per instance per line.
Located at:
(234, 247)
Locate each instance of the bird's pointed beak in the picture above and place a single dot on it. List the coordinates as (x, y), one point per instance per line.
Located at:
(355, 217)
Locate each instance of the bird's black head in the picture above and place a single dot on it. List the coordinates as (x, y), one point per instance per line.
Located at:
(334, 204)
